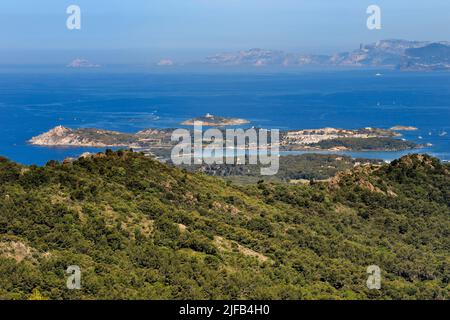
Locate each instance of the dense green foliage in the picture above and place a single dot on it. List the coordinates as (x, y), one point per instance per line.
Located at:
(366, 144)
(141, 229)
(309, 166)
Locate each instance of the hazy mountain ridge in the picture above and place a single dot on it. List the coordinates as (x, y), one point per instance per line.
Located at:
(401, 54)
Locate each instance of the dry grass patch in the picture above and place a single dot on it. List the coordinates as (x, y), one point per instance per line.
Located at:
(225, 245)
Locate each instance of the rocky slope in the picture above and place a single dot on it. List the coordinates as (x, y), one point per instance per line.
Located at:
(139, 229)
(62, 136)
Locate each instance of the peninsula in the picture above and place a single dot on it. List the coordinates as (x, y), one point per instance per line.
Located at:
(325, 139)
(62, 136)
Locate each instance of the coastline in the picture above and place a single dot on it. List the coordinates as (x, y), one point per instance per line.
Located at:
(379, 143)
(21, 124)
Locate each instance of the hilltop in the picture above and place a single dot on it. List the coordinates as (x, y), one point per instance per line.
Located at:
(140, 229)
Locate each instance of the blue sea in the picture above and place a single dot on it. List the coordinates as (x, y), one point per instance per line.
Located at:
(33, 102)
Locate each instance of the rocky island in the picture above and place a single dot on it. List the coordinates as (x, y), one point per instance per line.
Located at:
(62, 136)
(404, 128)
(210, 120)
(82, 64)
(158, 141)
(89, 137)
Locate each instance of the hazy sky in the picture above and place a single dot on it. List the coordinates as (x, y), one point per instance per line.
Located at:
(142, 30)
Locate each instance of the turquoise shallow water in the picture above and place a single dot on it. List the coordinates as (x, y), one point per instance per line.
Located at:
(34, 102)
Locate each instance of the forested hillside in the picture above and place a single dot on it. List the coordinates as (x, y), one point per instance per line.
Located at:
(140, 229)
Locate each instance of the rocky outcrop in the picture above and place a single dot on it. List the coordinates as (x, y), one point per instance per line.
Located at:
(62, 136)
(57, 136)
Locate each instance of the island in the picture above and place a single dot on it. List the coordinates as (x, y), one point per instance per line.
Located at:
(90, 137)
(404, 128)
(159, 141)
(210, 120)
(82, 64)
(62, 136)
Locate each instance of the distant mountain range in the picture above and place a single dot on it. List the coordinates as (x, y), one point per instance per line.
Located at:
(399, 54)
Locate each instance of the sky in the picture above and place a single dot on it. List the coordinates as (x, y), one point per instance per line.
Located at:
(143, 31)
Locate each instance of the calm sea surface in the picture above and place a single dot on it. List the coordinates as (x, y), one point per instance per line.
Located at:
(34, 102)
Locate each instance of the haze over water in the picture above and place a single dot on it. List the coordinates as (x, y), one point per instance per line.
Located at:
(32, 103)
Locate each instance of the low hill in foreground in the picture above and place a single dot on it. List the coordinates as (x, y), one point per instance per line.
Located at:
(141, 229)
